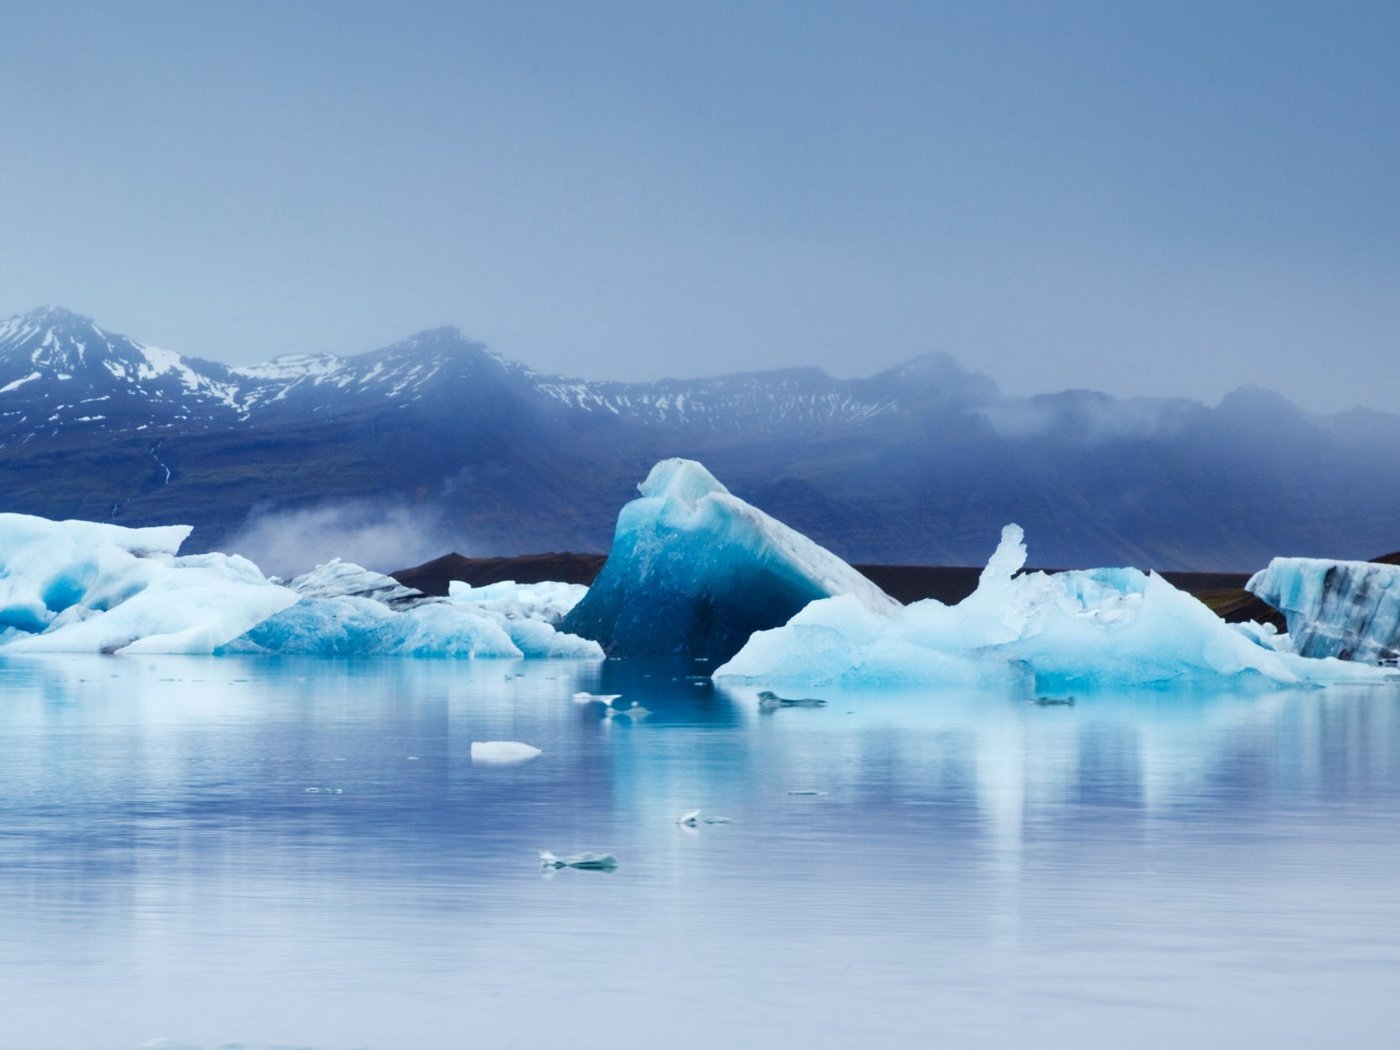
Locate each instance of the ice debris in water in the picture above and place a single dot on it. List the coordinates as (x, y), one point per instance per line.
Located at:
(1347, 609)
(80, 586)
(771, 701)
(350, 611)
(582, 861)
(605, 699)
(692, 819)
(77, 586)
(1035, 632)
(634, 712)
(503, 752)
(693, 569)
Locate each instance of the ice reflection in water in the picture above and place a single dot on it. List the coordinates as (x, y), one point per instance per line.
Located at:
(971, 870)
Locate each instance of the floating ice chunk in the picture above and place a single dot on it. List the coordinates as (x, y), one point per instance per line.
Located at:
(548, 602)
(1037, 633)
(694, 569)
(605, 699)
(1347, 609)
(582, 861)
(78, 586)
(635, 712)
(503, 752)
(771, 701)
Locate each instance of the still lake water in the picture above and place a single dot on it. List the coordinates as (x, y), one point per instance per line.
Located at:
(1153, 870)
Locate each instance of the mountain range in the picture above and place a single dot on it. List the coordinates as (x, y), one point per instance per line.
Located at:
(920, 464)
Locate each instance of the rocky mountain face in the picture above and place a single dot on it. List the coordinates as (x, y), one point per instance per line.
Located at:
(921, 464)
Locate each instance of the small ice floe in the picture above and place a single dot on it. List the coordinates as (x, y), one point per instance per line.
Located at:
(605, 699)
(634, 712)
(582, 861)
(693, 819)
(771, 701)
(503, 752)
(809, 792)
(325, 791)
(1053, 701)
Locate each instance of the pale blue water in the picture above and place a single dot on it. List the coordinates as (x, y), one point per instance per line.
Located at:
(1162, 870)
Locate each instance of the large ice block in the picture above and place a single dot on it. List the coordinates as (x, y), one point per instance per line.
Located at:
(1347, 609)
(695, 570)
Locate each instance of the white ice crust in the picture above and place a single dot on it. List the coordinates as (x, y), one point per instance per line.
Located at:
(1100, 628)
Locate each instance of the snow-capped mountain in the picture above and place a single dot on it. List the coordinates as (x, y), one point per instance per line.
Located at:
(922, 463)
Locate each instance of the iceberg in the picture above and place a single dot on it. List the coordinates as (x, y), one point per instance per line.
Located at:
(1346, 609)
(351, 611)
(695, 570)
(1033, 633)
(81, 586)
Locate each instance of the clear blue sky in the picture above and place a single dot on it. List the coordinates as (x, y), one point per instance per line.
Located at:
(1146, 198)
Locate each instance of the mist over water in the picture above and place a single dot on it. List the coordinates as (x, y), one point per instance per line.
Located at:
(301, 853)
(286, 542)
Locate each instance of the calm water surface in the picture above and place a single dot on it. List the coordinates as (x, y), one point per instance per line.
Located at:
(1155, 870)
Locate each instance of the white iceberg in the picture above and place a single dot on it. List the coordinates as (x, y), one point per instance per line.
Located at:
(1035, 633)
(503, 752)
(695, 570)
(1347, 609)
(80, 586)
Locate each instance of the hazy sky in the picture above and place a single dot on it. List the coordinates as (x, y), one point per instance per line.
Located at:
(1146, 198)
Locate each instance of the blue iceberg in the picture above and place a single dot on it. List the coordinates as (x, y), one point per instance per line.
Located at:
(1032, 633)
(695, 570)
(82, 586)
(79, 586)
(1346, 609)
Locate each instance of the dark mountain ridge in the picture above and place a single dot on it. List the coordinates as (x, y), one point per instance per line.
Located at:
(919, 464)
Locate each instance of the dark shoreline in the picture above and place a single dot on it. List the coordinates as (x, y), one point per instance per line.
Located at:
(1223, 592)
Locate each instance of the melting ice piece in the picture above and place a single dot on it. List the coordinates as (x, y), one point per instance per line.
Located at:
(695, 570)
(392, 624)
(605, 699)
(1036, 633)
(635, 712)
(1347, 609)
(771, 701)
(79, 586)
(582, 861)
(503, 752)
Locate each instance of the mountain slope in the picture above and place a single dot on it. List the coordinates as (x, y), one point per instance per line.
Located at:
(919, 464)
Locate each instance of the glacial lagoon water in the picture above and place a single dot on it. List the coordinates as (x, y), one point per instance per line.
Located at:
(197, 852)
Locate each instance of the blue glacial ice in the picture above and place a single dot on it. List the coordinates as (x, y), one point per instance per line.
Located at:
(77, 586)
(695, 570)
(1347, 609)
(1032, 632)
(335, 618)
(80, 586)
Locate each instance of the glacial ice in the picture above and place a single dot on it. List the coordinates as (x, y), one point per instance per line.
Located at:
(516, 622)
(77, 586)
(503, 752)
(694, 569)
(1034, 633)
(80, 586)
(1346, 609)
